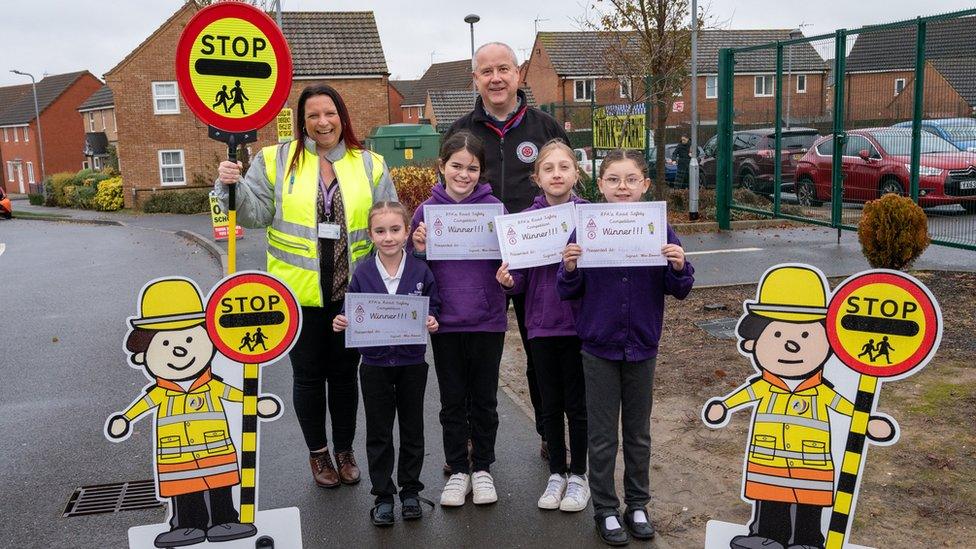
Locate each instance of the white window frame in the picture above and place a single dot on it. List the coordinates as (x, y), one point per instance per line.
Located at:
(10, 170)
(587, 83)
(628, 83)
(714, 95)
(30, 172)
(181, 165)
(91, 121)
(102, 114)
(897, 91)
(26, 134)
(6, 138)
(16, 138)
(798, 88)
(97, 164)
(115, 124)
(84, 165)
(157, 97)
(768, 91)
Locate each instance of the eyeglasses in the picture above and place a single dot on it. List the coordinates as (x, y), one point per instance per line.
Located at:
(630, 182)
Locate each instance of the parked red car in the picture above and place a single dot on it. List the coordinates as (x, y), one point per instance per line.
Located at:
(876, 161)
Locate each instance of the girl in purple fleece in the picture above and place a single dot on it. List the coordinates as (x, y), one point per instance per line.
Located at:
(393, 378)
(619, 322)
(553, 343)
(468, 346)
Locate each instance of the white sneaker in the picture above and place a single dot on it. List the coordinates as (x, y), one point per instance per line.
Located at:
(554, 492)
(456, 489)
(577, 494)
(484, 488)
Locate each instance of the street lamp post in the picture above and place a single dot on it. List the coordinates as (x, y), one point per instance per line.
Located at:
(37, 116)
(794, 34)
(693, 174)
(471, 20)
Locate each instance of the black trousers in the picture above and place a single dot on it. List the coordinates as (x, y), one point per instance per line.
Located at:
(324, 379)
(394, 392)
(467, 376)
(518, 304)
(788, 523)
(203, 509)
(559, 371)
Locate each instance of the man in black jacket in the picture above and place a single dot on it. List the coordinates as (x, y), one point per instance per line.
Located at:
(513, 132)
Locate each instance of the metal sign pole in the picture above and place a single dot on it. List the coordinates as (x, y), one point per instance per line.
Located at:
(693, 165)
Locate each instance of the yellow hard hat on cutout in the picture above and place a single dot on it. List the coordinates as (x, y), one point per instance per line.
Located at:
(170, 304)
(791, 293)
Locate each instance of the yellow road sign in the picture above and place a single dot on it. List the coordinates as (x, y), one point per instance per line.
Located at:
(286, 131)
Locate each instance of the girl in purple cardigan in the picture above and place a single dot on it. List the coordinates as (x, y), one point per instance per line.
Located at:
(468, 345)
(619, 322)
(553, 342)
(393, 378)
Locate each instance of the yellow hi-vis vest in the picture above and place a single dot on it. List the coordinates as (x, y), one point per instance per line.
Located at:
(293, 251)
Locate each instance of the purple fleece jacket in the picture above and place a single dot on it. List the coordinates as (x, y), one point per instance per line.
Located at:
(545, 314)
(471, 298)
(622, 308)
(416, 280)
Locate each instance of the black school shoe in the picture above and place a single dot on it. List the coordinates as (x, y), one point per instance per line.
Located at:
(382, 514)
(615, 536)
(640, 530)
(410, 507)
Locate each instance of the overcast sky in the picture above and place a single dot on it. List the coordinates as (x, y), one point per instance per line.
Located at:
(57, 36)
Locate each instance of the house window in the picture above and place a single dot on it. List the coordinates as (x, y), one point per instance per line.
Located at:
(625, 87)
(16, 139)
(801, 83)
(6, 138)
(164, 98)
(10, 170)
(97, 162)
(899, 85)
(583, 90)
(84, 165)
(91, 121)
(26, 134)
(171, 168)
(764, 86)
(30, 173)
(711, 87)
(102, 113)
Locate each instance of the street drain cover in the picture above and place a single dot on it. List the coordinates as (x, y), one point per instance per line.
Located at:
(721, 328)
(112, 498)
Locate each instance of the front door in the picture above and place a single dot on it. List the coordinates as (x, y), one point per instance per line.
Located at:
(20, 176)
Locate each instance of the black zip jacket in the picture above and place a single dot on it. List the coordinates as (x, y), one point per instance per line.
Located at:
(511, 153)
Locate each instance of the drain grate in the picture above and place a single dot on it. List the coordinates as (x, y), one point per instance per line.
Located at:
(721, 328)
(112, 498)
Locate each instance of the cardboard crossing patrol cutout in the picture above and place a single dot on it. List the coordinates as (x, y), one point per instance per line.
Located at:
(198, 416)
(816, 351)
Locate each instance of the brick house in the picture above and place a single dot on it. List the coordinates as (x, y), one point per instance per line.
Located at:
(101, 129)
(570, 68)
(447, 76)
(162, 146)
(399, 89)
(57, 98)
(880, 73)
(443, 107)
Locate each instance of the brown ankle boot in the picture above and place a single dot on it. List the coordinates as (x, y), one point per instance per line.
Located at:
(348, 470)
(323, 471)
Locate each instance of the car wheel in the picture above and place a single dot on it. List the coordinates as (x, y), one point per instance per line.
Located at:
(748, 180)
(806, 193)
(889, 186)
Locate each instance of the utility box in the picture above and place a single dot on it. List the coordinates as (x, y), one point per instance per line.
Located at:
(402, 144)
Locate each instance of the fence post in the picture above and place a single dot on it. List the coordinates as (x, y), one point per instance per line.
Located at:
(723, 168)
(593, 136)
(778, 160)
(919, 106)
(840, 137)
(648, 80)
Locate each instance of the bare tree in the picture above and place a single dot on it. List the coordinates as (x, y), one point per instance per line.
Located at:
(648, 42)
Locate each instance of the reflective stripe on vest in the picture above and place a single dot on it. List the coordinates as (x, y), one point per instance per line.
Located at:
(293, 235)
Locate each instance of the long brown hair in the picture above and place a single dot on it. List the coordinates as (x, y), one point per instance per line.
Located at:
(347, 135)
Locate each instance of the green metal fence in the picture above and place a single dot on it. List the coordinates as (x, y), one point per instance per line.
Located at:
(811, 128)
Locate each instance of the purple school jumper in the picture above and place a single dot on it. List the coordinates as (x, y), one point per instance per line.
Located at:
(622, 308)
(471, 298)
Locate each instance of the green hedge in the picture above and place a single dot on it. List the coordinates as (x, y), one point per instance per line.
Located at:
(181, 202)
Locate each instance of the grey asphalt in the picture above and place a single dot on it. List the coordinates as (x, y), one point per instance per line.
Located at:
(76, 284)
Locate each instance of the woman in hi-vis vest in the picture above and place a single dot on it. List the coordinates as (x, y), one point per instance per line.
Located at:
(314, 194)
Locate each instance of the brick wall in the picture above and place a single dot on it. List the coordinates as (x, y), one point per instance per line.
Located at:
(17, 154)
(104, 122)
(143, 134)
(64, 138)
(871, 97)
(541, 77)
(395, 99)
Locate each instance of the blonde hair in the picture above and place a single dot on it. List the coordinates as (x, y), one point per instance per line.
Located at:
(388, 206)
(550, 147)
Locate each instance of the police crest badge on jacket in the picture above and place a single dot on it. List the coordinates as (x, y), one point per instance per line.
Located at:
(791, 331)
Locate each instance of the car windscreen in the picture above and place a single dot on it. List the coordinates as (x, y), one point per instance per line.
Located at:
(899, 143)
(798, 140)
